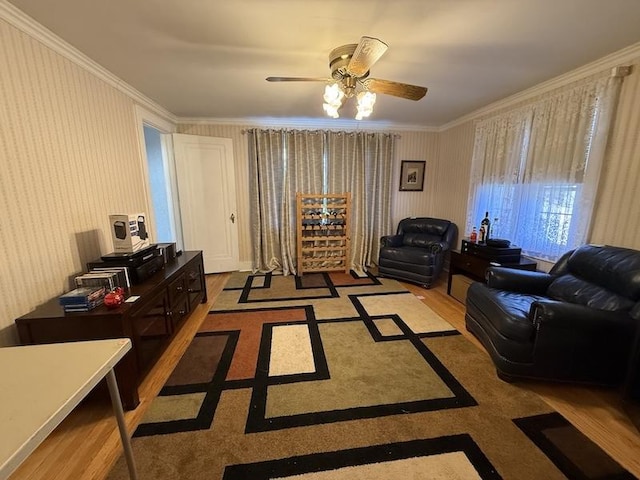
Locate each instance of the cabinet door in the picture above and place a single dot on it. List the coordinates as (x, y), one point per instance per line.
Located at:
(194, 278)
(152, 328)
(178, 301)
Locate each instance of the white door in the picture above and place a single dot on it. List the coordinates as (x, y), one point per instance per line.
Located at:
(207, 199)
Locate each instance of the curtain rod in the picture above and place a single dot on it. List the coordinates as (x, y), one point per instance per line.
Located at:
(340, 132)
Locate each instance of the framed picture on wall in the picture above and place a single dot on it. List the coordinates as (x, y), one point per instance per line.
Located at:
(412, 175)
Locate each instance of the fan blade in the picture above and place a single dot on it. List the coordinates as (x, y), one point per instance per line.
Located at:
(397, 89)
(298, 79)
(368, 52)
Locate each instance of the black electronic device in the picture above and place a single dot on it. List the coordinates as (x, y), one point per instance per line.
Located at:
(132, 259)
(138, 272)
(167, 251)
(497, 242)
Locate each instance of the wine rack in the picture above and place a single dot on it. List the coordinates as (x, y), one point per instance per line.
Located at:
(323, 232)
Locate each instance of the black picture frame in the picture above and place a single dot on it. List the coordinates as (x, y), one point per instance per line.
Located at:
(412, 175)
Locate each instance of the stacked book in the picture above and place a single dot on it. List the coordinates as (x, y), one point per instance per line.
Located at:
(109, 278)
(83, 299)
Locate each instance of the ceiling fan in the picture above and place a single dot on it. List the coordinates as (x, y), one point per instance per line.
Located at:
(350, 65)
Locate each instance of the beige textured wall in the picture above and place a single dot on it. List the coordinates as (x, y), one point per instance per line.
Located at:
(68, 158)
(452, 185)
(617, 215)
(416, 146)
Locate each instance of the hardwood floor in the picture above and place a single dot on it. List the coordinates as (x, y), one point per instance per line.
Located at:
(86, 444)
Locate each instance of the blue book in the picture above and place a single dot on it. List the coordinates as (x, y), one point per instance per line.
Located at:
(82, 296)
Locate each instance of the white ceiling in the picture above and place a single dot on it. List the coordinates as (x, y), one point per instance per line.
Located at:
(209, 58)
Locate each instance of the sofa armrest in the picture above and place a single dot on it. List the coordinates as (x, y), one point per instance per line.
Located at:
(438, 247)
(577, 342)
(554, 313)
(523, 281)
(391, 241)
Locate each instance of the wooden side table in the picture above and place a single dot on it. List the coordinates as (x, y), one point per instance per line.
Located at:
(475, 267)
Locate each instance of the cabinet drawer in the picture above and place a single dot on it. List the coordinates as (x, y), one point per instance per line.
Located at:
(474, 265)
(176, 289)
(194, 280)
(179, 311)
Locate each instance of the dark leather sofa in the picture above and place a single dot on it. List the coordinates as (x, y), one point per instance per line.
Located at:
(575, 323)
(417, 251)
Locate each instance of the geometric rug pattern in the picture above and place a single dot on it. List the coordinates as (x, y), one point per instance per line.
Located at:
(332, 376)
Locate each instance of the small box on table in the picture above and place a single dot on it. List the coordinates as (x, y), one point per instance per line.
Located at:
(128, 232)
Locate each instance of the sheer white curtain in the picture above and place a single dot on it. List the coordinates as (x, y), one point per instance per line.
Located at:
(536, 168)
(361, 163)
(498, 160)
(283, 163)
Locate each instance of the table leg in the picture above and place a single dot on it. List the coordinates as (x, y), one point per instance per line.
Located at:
(119, 413)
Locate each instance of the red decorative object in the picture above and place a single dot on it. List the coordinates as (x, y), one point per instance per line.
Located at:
(114, 298)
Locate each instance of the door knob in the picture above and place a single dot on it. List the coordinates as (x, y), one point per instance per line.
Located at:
(233, 218)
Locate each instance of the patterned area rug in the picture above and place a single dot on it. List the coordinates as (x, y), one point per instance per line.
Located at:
(335, 376)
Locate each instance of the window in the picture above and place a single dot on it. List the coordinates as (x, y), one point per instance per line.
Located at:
(537, 217)
(535, 168)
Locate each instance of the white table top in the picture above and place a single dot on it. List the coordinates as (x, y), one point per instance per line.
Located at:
(41, 384)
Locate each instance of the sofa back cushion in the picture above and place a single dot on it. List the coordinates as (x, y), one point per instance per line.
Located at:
(422, 231)
(572, 289)
(602, 277)
(614, 268)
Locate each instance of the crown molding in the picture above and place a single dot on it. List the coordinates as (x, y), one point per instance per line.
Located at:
(304, 122)
(31, 27)
(625, 55)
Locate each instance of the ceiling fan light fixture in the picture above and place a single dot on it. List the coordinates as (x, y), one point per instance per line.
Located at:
(350, 66)
(366, 101)
(331, 110)
(333, 96)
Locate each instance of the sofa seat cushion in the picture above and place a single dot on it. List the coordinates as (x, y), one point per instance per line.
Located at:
(508, 312)
(405, 254)
(569, 288)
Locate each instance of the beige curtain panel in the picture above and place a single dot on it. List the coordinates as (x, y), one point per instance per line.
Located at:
(284, 162)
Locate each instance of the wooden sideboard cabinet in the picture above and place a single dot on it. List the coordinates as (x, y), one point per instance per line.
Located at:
(166, 300)
(475, 267)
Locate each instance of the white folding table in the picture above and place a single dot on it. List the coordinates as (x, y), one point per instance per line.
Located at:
(41, 384)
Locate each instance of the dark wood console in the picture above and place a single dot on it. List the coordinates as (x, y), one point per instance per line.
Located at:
(475, 267)
(166, 300)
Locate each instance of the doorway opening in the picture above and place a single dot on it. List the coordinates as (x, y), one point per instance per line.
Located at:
(159, 185)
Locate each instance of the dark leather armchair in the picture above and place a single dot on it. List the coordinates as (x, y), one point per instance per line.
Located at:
(575, 323)
(416, 252)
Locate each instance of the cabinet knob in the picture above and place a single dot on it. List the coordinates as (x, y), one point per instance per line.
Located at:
(179, 288)
(169, 313)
